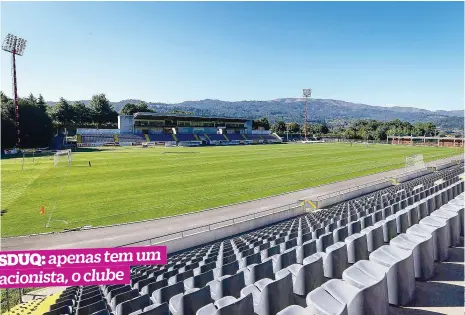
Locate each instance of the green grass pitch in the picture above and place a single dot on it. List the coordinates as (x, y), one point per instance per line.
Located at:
(130, 184)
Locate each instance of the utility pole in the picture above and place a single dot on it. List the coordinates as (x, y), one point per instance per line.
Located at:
(307, 93)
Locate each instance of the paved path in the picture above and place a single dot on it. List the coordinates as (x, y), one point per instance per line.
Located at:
(41, 293)
(130, 233)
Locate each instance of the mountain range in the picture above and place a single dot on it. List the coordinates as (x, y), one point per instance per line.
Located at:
(292, 110)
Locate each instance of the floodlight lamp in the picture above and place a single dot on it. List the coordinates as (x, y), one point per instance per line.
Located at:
(9, 43)
(14, 44)
(307, 92)
(20, 46)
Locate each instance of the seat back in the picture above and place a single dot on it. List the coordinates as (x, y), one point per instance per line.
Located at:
(90, 300)
(162, 309)
(60, 311)
(166, 293)
(232, 286)
(135, 304)
(262, 271)
(152, 286)
(230, 268)
(122, 297)
(252, 259)
(115, 291)
(241, 306)
(90, 309)
(142, 283)
(276, 296)
(191, 302)
(202, 279)
(207, 267)
(62, 303)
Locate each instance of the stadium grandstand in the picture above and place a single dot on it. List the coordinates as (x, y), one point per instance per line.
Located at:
(182, 130)
(365, 255)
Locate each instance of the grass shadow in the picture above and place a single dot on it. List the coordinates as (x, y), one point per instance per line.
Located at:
(87, 150)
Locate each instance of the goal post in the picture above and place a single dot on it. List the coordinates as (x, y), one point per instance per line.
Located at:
(62, 156)
(414, 162)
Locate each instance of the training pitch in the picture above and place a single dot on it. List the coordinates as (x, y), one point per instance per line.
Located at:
(131, 184)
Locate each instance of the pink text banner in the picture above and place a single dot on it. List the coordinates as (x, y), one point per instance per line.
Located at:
(65, 276)
(83, 257)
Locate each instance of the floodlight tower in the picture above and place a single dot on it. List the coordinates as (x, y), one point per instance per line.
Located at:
(15, 46)
(307, 93)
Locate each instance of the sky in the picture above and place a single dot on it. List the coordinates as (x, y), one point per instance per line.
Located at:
(376, 53)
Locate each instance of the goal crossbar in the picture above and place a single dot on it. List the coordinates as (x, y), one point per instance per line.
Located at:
(62, 155)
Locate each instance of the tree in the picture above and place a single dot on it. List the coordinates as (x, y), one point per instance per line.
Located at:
(41, 103)
(324, 129)
(294, 127)
(35, 125)
(63, 114)
(82, 114)
(8, 127)
(129, 109)
(8, 132)
(263, 123)
(349, 133)
(279, 127)
(102, 110)
(36, 128)
(3, 98)
(31, 99)
(144, 107)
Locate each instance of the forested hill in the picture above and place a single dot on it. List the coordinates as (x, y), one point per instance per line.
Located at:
(292, 109)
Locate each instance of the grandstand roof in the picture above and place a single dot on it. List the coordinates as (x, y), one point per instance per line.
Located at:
(148, 115)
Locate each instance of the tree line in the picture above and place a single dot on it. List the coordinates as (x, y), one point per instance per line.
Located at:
(363, 129)
(40, 122)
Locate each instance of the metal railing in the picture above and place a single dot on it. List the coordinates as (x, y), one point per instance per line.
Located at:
(351, 189)
(212, 226)
(456, 159)
(407, 172)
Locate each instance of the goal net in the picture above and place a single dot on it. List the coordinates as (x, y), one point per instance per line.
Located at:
(414, 162)
(62, 156)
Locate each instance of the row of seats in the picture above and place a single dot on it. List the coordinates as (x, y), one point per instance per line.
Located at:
(216, 137)
(163, 137)
(235, 137)
(186, 137)
(388, 275)
(97, 138)
(296, 265)
(132, 138)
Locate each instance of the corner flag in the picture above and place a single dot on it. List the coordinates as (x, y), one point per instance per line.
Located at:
(42, 210)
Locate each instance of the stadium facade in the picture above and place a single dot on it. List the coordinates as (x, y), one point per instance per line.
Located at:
(176, 129)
